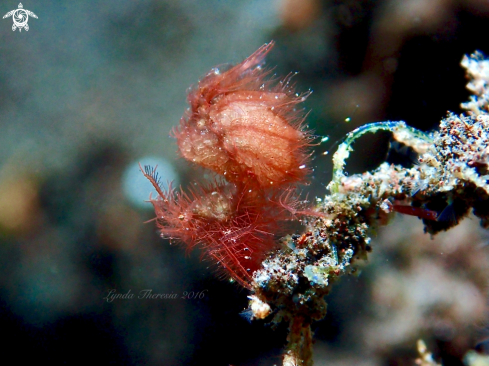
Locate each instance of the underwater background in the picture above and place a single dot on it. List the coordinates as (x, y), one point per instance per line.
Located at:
(95, 87)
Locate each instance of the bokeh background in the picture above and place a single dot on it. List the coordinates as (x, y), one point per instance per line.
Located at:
(94, 87)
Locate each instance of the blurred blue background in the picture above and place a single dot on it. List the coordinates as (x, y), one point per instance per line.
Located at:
(96, 86)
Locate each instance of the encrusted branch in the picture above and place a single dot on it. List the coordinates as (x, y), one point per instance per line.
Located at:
(451, 179)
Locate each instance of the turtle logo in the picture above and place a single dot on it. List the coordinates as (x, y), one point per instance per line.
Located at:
(20, 17)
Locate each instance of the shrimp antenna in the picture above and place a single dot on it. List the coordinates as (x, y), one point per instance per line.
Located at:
(152, 175)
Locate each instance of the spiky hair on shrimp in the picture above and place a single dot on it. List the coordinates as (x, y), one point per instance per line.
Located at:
(234, 229)
(243, 126)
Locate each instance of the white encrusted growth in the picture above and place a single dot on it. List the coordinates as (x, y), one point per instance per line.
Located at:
(478, 73)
